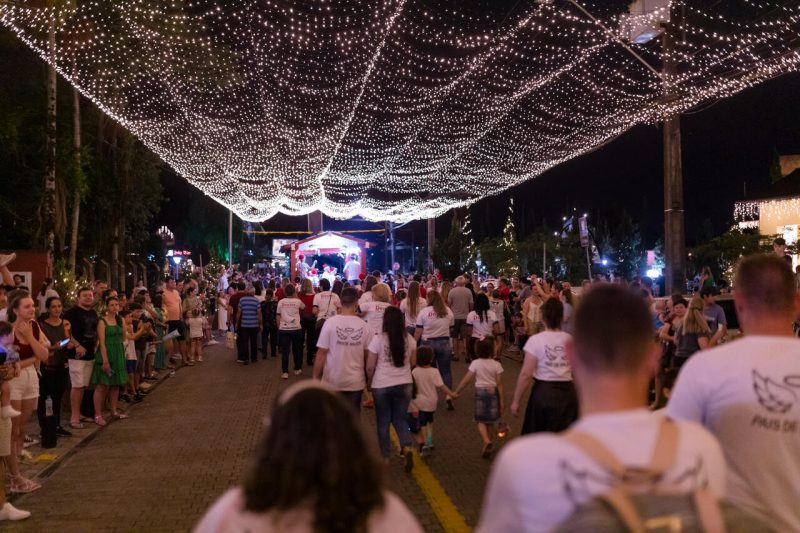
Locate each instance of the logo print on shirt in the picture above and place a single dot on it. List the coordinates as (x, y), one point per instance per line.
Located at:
(774, 397)
(555, 357)
(347, 334)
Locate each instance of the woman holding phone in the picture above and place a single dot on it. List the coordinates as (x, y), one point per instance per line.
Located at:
(53, 378)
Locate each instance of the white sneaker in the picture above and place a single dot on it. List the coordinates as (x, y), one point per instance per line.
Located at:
(285, 375)
(9, 412)
(6, 259)
(9, 512)
(298, 372)
(212, 342)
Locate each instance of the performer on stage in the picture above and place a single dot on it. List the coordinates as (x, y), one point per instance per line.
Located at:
(352, 270)
(302, 266)
(329, 273)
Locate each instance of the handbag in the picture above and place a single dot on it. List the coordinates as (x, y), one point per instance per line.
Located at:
(230, 340)
(321, 322)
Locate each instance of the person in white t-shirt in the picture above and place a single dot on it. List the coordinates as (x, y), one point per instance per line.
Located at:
(482, 323)
(392, 353)
(433, 327)
(342, 350)
(290, 332)
(326, 303)
(411, 306)
(539, 480)
(428, 382)
(747, 393)
(369, 284)
(487, 374)
(372, 310)
(322, 480)
(553, 403)
(352, 270)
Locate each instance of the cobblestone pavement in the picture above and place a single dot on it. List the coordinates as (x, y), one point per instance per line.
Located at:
(193, 438)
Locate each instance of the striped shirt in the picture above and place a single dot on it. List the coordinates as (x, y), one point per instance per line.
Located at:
(249, 307)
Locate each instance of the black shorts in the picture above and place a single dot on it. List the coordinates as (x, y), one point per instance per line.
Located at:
(413, 423)
(177, 325)
(459, 326)
(425, 418)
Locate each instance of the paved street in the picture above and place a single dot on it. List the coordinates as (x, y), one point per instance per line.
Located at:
(194, 436)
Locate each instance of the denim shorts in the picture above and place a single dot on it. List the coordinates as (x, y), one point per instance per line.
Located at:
(487, 406)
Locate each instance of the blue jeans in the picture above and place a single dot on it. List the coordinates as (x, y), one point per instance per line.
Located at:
(291, 340)
(391, 406)
(443, 354)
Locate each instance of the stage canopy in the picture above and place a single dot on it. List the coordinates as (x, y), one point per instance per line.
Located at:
(390, 109)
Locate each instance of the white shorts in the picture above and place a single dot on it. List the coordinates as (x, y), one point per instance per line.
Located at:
(26, 385)
(80, 373)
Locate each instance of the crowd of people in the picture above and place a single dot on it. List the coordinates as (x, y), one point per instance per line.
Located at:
(631, 395)
(620, 381)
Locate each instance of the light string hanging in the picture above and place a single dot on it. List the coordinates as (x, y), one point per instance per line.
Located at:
(388, 109)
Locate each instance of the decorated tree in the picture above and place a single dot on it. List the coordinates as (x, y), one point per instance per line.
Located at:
(468, 247)
(510, 265)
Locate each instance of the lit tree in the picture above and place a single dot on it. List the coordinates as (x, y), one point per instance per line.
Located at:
(469, 247)
(510, 266)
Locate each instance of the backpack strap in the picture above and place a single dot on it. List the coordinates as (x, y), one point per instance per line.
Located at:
(596, 450)
(620, 501)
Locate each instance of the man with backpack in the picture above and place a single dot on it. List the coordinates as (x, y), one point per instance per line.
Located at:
(747, 393)
(540, 481)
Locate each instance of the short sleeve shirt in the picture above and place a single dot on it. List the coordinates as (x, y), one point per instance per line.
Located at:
(428, 380)
(386, 374)
(346, 338)
(459, 299)
(327, 303)
(289, 313)
(549, 349)
(480, 328)
(373, 313)
(486, 372)
(172, 303)
(715, 315)
(432, 325)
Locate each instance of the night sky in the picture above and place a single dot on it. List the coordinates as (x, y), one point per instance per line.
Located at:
(727, 145)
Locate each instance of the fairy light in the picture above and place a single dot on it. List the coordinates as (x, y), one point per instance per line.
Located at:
(388, 109)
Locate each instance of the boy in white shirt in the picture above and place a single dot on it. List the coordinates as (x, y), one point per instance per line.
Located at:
(428, 381)
(539, 480)
(746, 393)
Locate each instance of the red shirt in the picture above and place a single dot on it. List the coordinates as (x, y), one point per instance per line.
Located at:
(26, 350)
(279, 293)
(504, 292)
(308, 301)
(423, 292)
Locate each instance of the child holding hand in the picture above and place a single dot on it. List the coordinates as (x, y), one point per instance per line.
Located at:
(428, 382)
(488, 391)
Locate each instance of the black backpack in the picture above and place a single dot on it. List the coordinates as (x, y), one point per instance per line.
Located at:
(626, 509)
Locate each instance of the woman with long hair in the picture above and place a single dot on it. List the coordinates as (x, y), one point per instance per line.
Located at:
(411, 306)
(693, 334)
(391, 354)
(433, 328)
(308, 320)
(445, 290)
(53, 373)
(482, 323)
(110, 372)
(29, 342)
(553, 403)
(337, 287)
(372, 310)
(314, 471)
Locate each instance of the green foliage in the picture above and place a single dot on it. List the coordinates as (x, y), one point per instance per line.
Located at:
(66, 284)
(446, 253)
(722, 252)
(626, 243)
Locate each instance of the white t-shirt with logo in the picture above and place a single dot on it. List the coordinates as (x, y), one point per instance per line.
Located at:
(549, 350)
(538, 480)
(428, 380)
(481, 329)
(411, 320)
(364, 298)
(747, 393)
(486, 372)
(432, 325)
(346, 338)
(327, 302)
(386, 374)
(289, 311)
(373, 314)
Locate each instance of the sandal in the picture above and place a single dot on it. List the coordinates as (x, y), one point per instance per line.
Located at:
(487, 450)
(100, 421)
(119, 416)
(23, 485)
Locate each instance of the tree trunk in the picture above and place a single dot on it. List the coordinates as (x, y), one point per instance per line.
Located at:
(76, 197)
(48, 205)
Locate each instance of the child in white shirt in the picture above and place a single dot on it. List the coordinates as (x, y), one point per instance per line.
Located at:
(488, 391)
(427, 381)
(8, 359)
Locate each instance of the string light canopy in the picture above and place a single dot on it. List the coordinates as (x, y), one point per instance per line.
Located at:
(389, 109)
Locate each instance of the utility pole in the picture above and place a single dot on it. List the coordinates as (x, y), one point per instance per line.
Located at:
(230, 238)
(674, 231)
